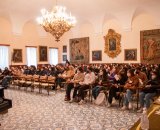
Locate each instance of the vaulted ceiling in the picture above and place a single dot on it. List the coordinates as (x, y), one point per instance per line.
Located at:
(94, 11)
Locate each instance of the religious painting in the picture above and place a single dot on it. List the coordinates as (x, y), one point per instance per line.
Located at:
(64, 49)
(43, 53)
(112, 43)
(130, 54)
(17, 55)
(79, 50)
(96, 55)
(150, 46)
(64, 57)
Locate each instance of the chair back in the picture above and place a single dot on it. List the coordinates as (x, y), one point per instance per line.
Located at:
(35, 78)
(51, 79)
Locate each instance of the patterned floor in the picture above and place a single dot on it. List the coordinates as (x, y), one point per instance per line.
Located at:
(33, 111)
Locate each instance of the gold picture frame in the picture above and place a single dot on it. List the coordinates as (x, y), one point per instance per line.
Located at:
(17, 56)
(112, 43)
(43, 55)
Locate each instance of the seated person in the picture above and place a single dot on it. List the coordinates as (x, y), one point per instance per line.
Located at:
(66, 75)
(121, 79)
(102, 78)
(111, 75)
(78, 77)
(130, 86)
(149, 91)
(142, 76)
(88, 79)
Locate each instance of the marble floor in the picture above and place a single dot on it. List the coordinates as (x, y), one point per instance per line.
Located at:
(34, 111)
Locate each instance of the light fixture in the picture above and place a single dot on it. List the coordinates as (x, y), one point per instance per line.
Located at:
(56, 22)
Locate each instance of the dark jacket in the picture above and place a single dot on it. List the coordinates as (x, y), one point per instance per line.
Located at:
(154, 85)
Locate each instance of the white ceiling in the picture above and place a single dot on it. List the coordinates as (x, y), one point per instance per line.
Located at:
(92, 11)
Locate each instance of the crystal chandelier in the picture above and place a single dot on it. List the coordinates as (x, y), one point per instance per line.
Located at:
(56, 22)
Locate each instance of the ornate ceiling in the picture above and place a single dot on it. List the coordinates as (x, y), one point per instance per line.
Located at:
(94, 11)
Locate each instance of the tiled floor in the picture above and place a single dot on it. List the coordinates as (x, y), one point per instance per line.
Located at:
(33, 111)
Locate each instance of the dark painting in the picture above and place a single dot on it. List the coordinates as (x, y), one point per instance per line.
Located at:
(130, 54)
(150, 46)
(64, 57)
(96, 55)
(17, 55)
(64, 49)
(43, 53)
(112, 44)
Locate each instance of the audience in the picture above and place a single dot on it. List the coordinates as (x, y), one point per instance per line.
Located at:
(112, 79)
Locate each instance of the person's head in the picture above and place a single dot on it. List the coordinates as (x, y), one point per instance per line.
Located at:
(130, 73)
(6, 68)
(154, 75)
(138, 70)
(90, 69)
(79, 70)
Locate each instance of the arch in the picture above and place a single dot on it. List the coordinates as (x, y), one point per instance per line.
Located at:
(30, 29)
(5, 25)
(86, 28)
(142, 11)
(108, 17)
(111, 22)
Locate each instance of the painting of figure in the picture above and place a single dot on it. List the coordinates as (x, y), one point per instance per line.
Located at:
(43, 53)
(64, 49)
(96, 55)
(130, 54)
(79, 50)
(17, 55)
(112, 44)
(150, 46)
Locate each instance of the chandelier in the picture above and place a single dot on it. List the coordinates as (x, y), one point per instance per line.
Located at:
(56, 22)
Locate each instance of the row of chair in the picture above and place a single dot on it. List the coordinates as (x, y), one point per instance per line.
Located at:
(34, 81)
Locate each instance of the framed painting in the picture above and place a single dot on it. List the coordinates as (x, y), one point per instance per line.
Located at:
(64, 57)
(112, 43)
(64, 49)
(79, 50)
(130, 54)
(43, 53)
(17, 55)
(96, 55)
(150, 46)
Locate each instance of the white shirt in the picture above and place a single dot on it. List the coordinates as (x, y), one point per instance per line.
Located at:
(88, 79)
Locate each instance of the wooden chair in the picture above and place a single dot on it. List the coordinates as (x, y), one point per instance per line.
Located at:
(15, 81)
(43, 83)
(21, 81)
(135, 97)
(29, 81)
(89, 91)
(35, 82)
(51, 82)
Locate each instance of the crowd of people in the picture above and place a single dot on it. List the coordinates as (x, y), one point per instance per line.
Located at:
(112, 79)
